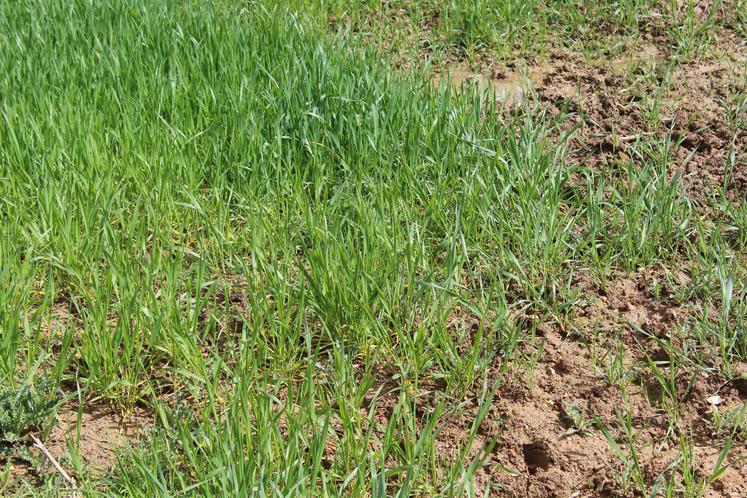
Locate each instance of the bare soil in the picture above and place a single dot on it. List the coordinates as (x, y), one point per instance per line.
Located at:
(615, 109)
(616, 103)
(98, 432)
(537, 450)
(612, 107)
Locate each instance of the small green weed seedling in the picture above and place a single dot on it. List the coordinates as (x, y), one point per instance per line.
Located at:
(25, 409)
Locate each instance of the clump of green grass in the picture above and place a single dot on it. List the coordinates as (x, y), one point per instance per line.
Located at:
(578, 421)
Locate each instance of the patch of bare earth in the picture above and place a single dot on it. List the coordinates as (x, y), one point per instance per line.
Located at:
(642, 95)
(98, 433)
(538, 451)
(537, 441)
(541, 453)
(530, 444)
(625, 310)
(614, 113)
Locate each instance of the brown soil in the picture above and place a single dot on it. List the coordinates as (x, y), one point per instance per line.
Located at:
(609, 307)
(537, 452)
(509, 88)
(535, 440)
(98, 432)
(612, 111)
(613, 107)
(103, 432)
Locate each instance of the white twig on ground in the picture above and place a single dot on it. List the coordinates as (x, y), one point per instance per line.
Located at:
(70, 481)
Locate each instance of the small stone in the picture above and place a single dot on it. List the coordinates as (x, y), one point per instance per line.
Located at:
(715, 400)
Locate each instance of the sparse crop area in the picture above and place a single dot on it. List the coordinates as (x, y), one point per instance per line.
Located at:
(373, 248)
